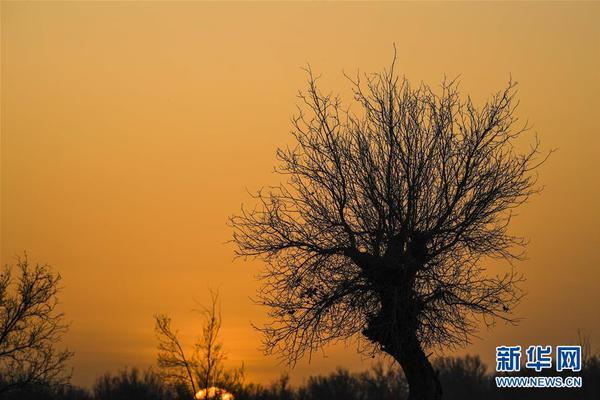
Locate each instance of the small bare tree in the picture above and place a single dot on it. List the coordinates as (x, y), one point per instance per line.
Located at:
(204, 368)
(172, 360)
(385, 219)
(209, 349)
(31, 327)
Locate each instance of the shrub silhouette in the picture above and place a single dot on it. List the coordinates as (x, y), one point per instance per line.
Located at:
(464, 378)
(132, 385)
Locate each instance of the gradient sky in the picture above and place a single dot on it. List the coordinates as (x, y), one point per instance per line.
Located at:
(131, 131)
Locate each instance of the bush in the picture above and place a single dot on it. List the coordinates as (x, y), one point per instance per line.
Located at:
(132, 385)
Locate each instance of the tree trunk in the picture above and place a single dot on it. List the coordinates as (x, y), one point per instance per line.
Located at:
(422, 379)
(394, 328)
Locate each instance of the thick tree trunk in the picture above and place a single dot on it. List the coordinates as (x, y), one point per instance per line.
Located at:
(394, 327)
(422, 379)
(402, 343)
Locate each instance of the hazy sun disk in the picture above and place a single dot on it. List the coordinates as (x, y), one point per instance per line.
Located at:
(214, 392)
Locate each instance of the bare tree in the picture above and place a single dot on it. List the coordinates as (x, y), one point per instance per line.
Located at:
(204, 368)
(385, 218)
(209, 349)
(172, 360)
(30, 328)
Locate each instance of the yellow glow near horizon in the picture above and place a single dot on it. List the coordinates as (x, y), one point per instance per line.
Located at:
(213, 392)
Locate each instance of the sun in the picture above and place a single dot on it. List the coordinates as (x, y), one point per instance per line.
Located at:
(214, 393)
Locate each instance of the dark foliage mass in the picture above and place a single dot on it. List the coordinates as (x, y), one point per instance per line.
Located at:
(464, 378)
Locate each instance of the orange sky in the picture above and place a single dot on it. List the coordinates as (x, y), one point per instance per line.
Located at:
(131, 131)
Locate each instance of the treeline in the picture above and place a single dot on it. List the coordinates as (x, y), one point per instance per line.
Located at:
(462, 378)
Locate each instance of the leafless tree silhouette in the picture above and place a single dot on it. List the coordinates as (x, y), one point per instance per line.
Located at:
(204, 368)
(384, 219)
(30, 328)
(209, 348)
(175, 366)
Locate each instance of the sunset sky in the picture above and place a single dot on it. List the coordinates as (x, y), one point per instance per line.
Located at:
(131, 131)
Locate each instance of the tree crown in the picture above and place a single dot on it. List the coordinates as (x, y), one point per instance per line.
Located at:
(406, 195)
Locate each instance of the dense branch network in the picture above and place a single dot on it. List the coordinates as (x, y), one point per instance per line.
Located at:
(403, 199)
(30, 328)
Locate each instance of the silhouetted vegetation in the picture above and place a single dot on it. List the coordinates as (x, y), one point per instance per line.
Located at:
(462, 378)
(384, 218)
(31, 328)
(202, 368)
(33, 369)
(133, 384)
